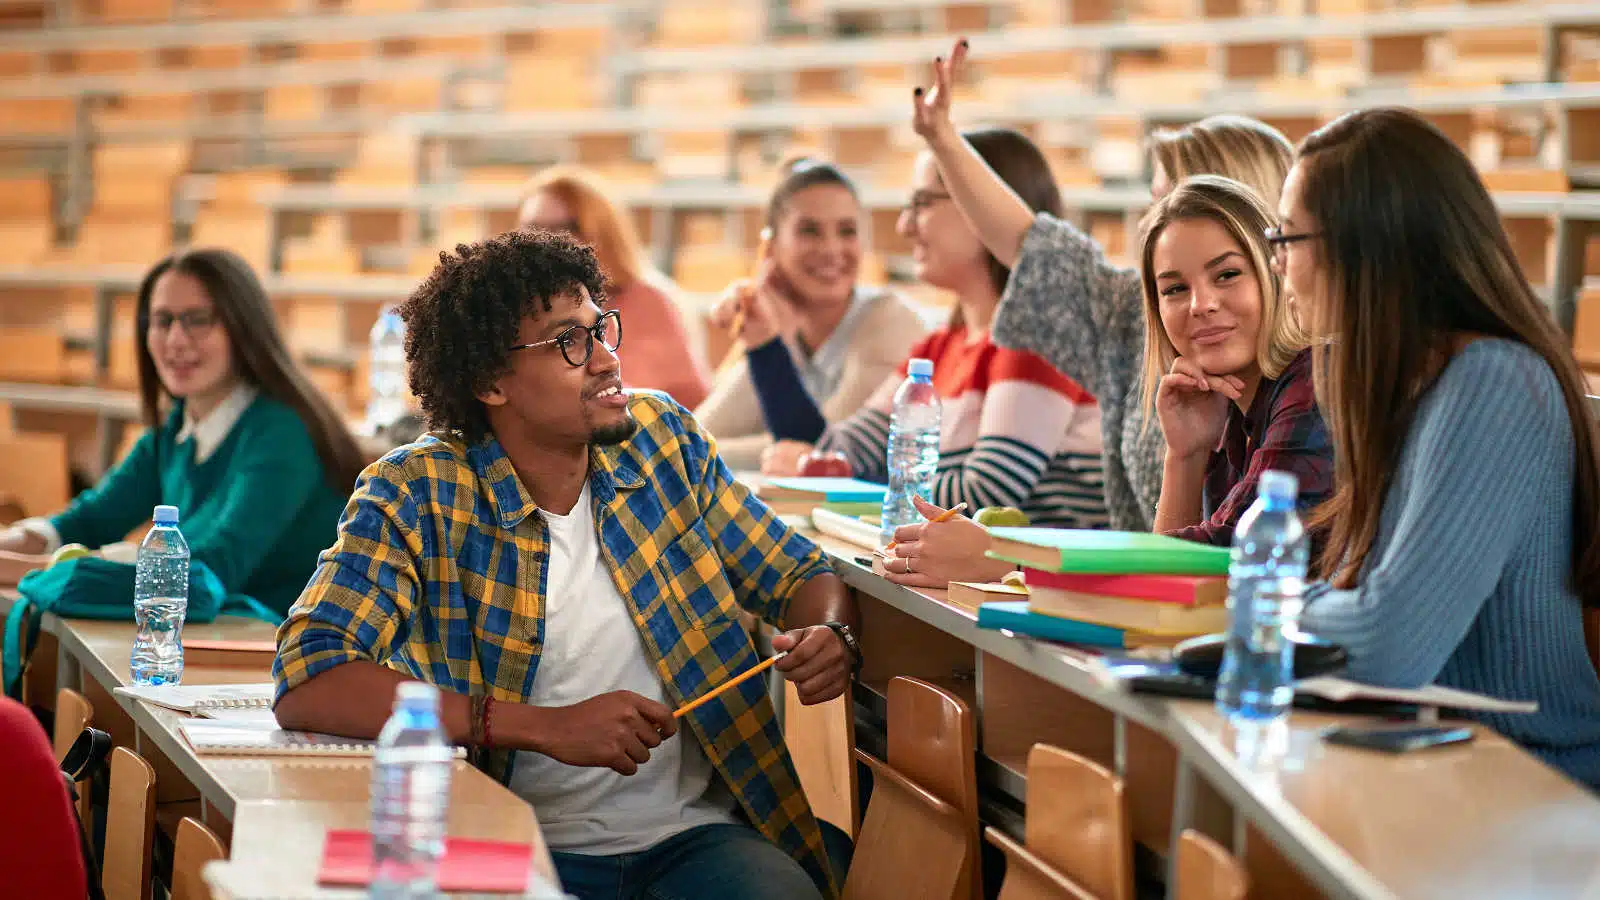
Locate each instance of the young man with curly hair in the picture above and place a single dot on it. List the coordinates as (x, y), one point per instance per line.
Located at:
(567, 562)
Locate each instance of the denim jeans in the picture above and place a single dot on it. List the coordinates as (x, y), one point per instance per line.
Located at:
(711, 862)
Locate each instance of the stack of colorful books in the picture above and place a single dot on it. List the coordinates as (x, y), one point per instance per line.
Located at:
(1110, 588)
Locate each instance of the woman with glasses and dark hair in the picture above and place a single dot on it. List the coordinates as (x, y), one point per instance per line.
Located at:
(571, 200)
(252, 454)
(806, 310)
(1464, 529)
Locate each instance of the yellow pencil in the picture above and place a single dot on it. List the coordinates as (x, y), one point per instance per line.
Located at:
(737, 325)
(945, 516)
(692, 705)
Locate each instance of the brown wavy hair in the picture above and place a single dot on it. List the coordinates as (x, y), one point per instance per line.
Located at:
(1415, 258)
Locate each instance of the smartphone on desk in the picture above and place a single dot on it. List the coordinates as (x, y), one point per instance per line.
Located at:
(1397, 739)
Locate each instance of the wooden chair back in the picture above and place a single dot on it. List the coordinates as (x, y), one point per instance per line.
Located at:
(74, 713)
(822, 742)
(1208, 872)
(195, 846)
(130, 827)
(1078, 823)
(920, 834)
(1030, 878)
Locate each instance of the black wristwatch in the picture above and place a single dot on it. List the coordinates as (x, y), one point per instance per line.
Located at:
(848, 636)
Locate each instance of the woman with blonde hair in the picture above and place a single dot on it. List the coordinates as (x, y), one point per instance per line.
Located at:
(1227, 366)
(1070, 304)
(1464, 534)
(571, 200)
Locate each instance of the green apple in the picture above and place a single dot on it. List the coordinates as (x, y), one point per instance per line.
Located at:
(1001, 516)
(69, 551)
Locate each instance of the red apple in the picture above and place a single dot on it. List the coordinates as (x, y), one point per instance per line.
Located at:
(818, 464)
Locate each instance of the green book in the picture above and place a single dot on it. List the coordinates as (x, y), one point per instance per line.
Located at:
(1087, 552)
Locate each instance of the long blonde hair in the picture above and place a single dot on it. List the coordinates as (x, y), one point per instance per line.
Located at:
(1250, 152)
(1415, 256)
(1246, 218)
(599, 223)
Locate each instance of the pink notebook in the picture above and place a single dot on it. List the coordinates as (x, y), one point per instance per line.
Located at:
(496, 867)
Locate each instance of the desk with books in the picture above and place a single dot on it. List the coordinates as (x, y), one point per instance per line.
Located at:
(1483, 819)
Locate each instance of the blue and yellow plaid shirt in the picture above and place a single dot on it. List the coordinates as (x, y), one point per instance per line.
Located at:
(439, 570)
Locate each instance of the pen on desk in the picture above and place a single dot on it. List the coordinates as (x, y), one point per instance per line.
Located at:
(945, 516)
(716, 692)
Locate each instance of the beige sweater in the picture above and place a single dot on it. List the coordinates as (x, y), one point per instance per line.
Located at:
(879, 342)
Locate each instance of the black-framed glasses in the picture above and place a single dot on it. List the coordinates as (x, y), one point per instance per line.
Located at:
(607, 330)
(194, 322)
(922, 200)
(1279, 242)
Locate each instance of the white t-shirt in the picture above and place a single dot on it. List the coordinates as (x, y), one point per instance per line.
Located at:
(591, 647)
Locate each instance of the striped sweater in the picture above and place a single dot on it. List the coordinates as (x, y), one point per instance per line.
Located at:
(1015, 433)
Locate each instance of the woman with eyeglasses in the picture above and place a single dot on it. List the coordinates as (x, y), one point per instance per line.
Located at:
(1015, 432)
(1070, 304)
(572, 201)
(255, 458)
(1464, 534)
(805, 312)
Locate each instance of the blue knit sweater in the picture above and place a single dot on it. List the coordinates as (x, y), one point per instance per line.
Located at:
(1468, 584)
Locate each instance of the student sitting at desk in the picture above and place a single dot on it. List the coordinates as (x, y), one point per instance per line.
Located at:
(252, 454)
(568, 562)
(1465, 520)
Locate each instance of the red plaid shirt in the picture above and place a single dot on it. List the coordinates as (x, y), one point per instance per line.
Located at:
(1284, 431)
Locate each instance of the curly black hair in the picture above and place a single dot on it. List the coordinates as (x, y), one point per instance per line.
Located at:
(463, 317)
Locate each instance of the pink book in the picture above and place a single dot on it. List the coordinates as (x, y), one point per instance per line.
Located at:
(485, 867)
(1184, 590)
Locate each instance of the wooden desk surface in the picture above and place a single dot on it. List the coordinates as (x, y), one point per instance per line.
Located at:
(1483, 819)
(280, 807)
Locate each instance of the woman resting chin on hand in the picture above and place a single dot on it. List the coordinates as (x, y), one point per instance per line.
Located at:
(931, 555)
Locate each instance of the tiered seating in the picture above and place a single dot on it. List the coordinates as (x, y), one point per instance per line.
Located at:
(345, 148)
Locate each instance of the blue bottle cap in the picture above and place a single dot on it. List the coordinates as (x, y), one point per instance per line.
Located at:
(920, 367)
(1280, 487)
(165, 515)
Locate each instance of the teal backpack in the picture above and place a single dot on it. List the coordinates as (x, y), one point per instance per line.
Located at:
(89, 587)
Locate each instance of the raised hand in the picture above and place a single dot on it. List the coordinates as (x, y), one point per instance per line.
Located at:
(1193, 407)
(930, 108)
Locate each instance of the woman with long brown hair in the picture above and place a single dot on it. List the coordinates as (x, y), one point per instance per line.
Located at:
(1464, 535)
(255, 458)
(660, 354)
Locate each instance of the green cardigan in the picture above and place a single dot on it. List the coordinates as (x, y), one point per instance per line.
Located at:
(258, 511)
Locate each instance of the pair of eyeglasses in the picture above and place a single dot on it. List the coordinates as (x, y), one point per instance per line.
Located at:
(194, 322)
(1279, 242)
(922, 200)
(577, 342)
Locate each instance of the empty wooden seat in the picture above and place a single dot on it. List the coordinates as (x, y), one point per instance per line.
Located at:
(821, 741)
(130, 827)
(195, 846)
(1078, 823)
(920, 834)
(34, 472)
(1208, 872)
(1030, 878)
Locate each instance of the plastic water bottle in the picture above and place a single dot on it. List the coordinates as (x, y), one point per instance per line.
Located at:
(410, 796)
(386, 370)
(160, 601)
(1266, 579)
(913, 448)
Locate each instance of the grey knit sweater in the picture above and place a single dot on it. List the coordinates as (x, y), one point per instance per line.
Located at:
(1069, 304)
(1467, 584)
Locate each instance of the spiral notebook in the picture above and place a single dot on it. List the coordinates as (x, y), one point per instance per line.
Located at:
(202, 699)
(250, 738)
